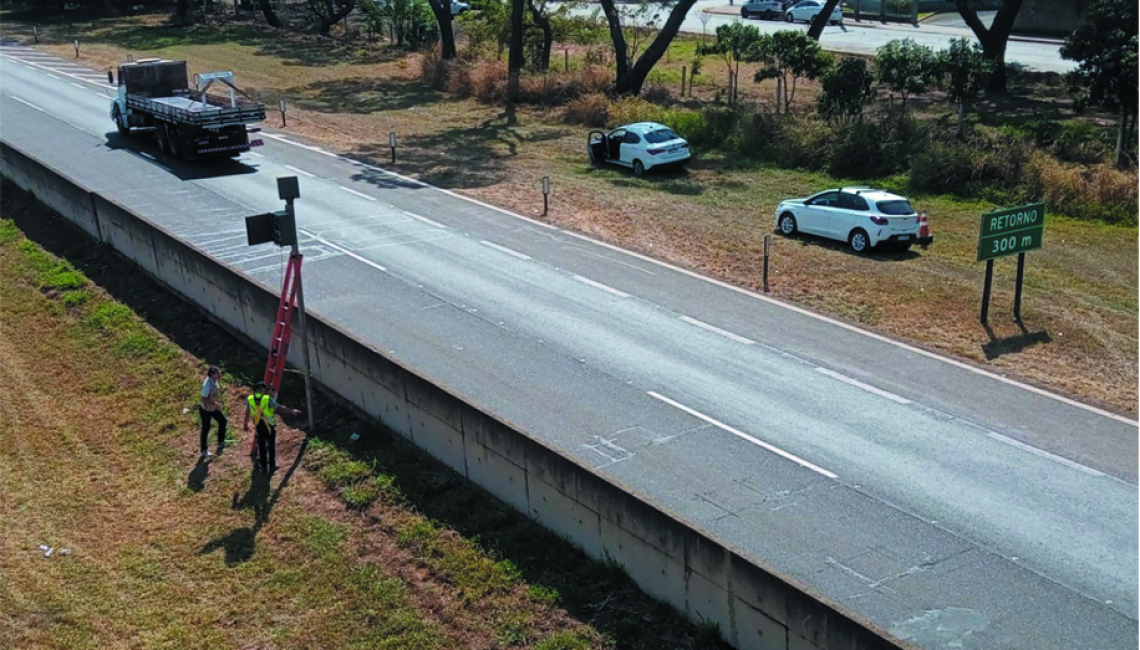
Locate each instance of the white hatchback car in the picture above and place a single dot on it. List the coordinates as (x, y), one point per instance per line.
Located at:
(641, 147)
(861, 216)
(809, 9)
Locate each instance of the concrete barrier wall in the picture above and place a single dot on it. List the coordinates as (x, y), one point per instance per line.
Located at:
(668, 558)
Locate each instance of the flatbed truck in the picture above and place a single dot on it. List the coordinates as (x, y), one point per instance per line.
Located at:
(189, 123)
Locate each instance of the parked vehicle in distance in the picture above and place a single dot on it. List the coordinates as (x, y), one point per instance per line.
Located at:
(188, 122)
(807, 10)
(766, 9)
(458, 7)
(861, 216)
(641, 147)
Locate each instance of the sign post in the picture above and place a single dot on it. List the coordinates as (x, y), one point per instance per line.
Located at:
(1012, 231)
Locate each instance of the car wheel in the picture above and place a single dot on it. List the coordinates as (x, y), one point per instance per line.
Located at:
(787, 224)
(768, 15)
(744, 14)
(788, 17)
(638, 168)
(860, 242)
(120, 121)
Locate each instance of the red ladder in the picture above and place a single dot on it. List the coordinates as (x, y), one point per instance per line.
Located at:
(282, 332)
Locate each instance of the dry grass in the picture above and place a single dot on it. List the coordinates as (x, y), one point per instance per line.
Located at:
(1080, 305)
(365, 545)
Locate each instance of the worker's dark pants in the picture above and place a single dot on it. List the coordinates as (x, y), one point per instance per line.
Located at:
(204, 439)
(266, 446)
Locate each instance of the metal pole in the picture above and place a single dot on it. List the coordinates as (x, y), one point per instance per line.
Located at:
(986, 292)
(683, 71)
(1017, 291)
(767, 247)
(304, 327)
(282, 113)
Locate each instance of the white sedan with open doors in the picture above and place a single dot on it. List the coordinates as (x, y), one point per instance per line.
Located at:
(861, 216)
(641, 147)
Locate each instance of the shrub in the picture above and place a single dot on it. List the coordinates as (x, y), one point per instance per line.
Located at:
(1100, 192)
(657, 95)
(489, 81)
(802, 143)
(591, 110)
(433, 70)
(990, 164)
(859, 153)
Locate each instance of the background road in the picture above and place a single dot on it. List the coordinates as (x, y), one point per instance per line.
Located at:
(868, 35)
(949, 506)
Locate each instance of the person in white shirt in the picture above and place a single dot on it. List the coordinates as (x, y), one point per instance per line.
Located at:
(210, 408)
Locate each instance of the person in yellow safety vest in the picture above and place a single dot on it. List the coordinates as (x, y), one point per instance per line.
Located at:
(260, 408)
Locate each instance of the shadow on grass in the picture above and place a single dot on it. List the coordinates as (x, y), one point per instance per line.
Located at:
(598, 593)
(997, 347)
(445, 159)
(881, 253)
(362, 95)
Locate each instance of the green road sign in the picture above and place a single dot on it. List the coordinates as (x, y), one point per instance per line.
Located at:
(1011, 231)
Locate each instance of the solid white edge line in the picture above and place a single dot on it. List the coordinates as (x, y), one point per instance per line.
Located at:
(867, 387)
(717, 330)
(360, 194)
(599, 285)
(281, 138)
(28, 104)
(424, 219)
(504, 249)
(143, 153)
(756, 441)
(1044, 454)
(300, 171)
(254, 153)
(344, 250)
(772, 301)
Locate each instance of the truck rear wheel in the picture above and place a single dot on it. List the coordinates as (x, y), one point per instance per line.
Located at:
(160, 135)
(173, 141)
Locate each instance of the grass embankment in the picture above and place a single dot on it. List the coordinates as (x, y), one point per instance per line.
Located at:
(368, 545)
(1080, 309)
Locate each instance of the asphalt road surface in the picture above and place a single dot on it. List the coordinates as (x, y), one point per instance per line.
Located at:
(952, 507)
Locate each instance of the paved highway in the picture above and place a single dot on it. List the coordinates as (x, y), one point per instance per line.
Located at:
(952, 507)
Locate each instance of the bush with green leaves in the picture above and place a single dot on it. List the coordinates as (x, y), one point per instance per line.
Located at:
(787, 56)
(967, 69)
(907, 68)
(407, 22)
(847, 89)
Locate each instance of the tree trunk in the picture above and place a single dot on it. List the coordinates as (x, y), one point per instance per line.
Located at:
(1119, 158)
(543, 23)
(334, 16)
(514, 60)
(633, 80)
(995, 38)
(961, 119)
(442, 11)
(817, 25)
(182, 13)
(621, 49)
(270, 15)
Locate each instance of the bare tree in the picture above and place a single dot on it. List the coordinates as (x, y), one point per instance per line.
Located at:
(817, 25)
(328, 12)
(994, 39)
(514, 60)
(538, 15)
(266, 9)
(442, 11)
(630, 78)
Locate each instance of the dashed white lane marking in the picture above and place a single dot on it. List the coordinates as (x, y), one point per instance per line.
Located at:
(80, 86)
(50, 70)
(54, 77)
(281, 138)
(344, 250)
(360, 194)
(143, 153)
(255, 154)
(303, 172)
(717, 330)
(858, 384)
(423, 219)
(28, 104)
(740, 434)
(504, 249)
(772, 301)
(599, 285)
(1044, 454)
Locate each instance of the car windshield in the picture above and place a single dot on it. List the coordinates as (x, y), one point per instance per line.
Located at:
(895, 208)
(660, 135)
